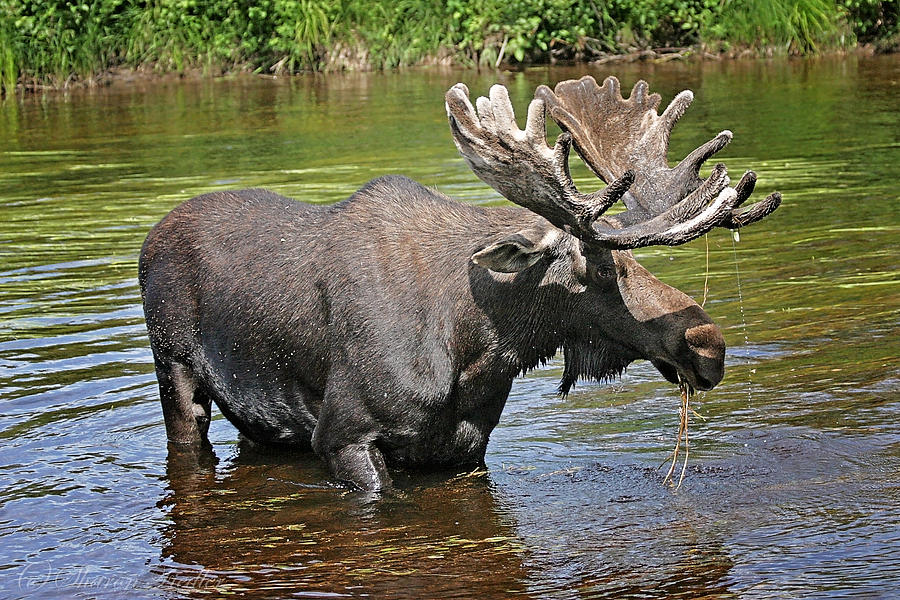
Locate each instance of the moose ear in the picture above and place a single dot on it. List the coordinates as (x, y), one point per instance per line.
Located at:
(518, 251)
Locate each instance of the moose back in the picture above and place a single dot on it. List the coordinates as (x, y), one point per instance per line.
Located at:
(387, 329)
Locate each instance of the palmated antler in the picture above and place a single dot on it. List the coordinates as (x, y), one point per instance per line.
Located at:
(520, 165)
(612, 135)
(665, 210)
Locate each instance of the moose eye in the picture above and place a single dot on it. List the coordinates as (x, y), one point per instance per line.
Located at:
(606, 272)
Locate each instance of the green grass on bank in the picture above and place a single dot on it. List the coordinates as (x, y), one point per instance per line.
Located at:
(53, 42)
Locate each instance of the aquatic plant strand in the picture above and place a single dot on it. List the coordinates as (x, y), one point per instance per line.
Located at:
(735, 238)
(683, 412)
(706, 279)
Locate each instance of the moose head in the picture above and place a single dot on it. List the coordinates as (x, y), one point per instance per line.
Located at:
(618, 312)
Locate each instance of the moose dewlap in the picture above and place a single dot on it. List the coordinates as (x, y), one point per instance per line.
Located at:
(387, 329)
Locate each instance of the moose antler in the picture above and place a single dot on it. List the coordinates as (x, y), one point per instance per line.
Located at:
(521, 166)
(612, 135)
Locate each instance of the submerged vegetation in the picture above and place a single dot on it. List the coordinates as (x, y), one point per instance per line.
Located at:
(55, 41)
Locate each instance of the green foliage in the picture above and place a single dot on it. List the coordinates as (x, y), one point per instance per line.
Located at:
(10, 50)
(798, 26)
(392, 33)
(529, 30)
(300, 28)
(56, 40)
(873, 20)
(666, 22)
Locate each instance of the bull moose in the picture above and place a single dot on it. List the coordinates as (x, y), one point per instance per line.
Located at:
(387, 329)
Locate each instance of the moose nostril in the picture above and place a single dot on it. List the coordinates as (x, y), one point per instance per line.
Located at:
(704, 384)
(706, 340)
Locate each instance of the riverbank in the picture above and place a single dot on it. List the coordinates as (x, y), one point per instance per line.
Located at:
(148, 74)
(57, 44)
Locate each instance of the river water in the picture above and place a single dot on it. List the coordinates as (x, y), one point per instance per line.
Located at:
(793, 484)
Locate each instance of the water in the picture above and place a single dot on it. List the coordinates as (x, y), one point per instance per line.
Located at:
(792, 488)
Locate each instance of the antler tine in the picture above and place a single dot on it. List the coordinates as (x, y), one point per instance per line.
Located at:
(520, 165)
(737, 219)
(612, 134)
(686, 221)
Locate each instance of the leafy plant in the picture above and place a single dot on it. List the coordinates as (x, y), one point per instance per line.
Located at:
(873, 20)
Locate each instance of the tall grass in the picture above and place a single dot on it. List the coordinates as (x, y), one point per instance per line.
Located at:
(9, 54)
(303, 29)
(798, 26)
(56, 41)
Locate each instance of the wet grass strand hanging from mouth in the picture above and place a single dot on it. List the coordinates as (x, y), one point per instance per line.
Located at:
(687, 392)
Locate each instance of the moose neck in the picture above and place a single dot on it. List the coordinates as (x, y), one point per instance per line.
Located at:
(527, 312)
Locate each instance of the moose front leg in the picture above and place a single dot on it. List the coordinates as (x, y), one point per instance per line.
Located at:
(345, 437)
(361, 465)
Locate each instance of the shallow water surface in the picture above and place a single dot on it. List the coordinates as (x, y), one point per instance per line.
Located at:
(792, 488)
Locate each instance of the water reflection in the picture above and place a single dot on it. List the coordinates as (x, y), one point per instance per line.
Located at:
(266, 524)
